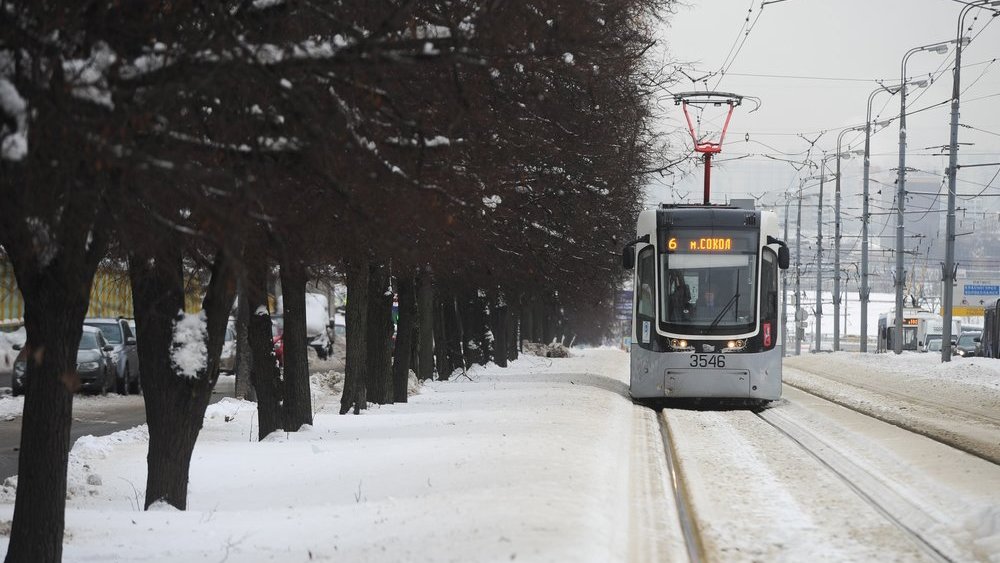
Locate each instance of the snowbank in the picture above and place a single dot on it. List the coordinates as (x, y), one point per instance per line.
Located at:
(494, 465)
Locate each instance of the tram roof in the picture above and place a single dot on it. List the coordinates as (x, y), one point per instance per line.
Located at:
(679, 215)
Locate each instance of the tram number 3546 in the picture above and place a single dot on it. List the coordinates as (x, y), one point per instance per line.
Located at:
(708, 361)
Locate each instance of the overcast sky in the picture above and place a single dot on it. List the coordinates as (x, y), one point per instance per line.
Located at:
(812, 64)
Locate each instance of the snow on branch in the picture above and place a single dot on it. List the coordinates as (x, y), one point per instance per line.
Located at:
(88, 77)
(13, 142)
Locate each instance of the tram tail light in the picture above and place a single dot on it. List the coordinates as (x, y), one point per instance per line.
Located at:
(767, 334)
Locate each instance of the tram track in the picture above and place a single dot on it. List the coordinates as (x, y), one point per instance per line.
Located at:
(835, 479)
(682, 499)
(973, 436)
(924, 402)
(904, 514)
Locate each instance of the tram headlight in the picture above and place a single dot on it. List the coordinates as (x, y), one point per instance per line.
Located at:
(678, 344)
(734, 345)
(683, 343)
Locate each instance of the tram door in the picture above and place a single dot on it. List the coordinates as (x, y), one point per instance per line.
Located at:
(645, 297)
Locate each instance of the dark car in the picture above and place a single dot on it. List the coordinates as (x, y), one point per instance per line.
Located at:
(119, 334)
(969, 344)
(94, 364)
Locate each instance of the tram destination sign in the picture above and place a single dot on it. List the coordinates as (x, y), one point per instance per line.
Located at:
(709, 241)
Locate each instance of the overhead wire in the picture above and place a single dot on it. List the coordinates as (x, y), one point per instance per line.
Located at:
(728, 63)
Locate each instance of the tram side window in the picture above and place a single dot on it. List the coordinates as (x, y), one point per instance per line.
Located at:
(646, 280)
(769, 285)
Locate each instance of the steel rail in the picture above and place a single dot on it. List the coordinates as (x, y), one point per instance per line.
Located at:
(689, 527)
(860, 481)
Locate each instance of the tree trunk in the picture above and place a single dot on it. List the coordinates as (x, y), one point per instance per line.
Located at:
(468, 314)
(175, 403)
(243, 362)
(56, 296)
(354, 395)
(53, 322)
(541, 322)
(501, 320)
(527, 323)
(484, 318)
(441, 339)
(265, 377)
(379, 335)
(425, 347)
(297, 400)
(404, 339)
(513, 335)
(453, 332)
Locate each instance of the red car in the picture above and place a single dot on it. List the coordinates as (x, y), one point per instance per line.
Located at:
(279, 349)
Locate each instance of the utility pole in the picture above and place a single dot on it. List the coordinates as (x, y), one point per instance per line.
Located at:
(836, 245)
(949, 267)
(865, 290)
(819, 256)
(798, 265)
(798, 269)
(897, 337)
(784, 294)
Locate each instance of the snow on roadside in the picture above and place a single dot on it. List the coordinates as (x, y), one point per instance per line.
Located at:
(957, 402)
(523, 462)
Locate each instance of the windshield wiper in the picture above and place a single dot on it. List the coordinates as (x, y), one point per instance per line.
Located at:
(734, 299)
(724, 310)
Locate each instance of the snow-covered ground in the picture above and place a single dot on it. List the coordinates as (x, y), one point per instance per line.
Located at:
(547, 460)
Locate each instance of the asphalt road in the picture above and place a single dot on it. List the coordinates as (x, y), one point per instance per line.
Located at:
(116, 417)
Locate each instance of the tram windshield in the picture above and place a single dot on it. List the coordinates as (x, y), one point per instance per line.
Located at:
(709, 283)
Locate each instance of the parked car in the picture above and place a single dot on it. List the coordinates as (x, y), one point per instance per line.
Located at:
(119, 334)
(969, 344)
(227, 360)
(94, 364)
(933, 343)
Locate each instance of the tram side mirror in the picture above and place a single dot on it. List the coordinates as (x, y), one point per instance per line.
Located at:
(628, 257)
(783, 257)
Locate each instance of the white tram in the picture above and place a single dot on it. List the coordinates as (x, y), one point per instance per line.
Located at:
(706, 321)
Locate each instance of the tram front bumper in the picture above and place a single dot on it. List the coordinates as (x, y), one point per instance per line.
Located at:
(657, 375)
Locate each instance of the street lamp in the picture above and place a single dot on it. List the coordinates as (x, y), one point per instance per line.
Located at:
(865, 290)
(798, 266)
(948, 277)
(784, 289)
(836, 241)
(940, 47)
(819, 253)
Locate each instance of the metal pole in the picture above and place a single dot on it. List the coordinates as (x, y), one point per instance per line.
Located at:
(708, 176)
(948, 279)
(865, 288)
(845, 303)
(819, 257)
(836, 253)
(897, 339)
(798, 271)
(784, 295)
(836, 246)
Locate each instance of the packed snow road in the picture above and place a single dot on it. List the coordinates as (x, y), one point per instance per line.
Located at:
(887, 458)
(549, 460)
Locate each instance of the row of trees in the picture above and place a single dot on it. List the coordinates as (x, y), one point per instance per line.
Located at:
(482, 159)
